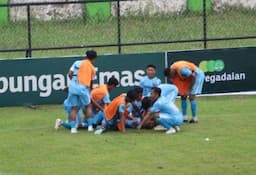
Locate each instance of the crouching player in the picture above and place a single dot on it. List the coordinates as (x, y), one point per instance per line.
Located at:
(100, 99)
(164, 112)
(134, 118)
(170, 92)
(116, 112)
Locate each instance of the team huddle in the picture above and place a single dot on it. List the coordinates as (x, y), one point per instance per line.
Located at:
(151, 105)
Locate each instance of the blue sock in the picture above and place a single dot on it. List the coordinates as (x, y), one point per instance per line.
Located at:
(66, 125)
(193, 106)
(73, 124)
(184, 107)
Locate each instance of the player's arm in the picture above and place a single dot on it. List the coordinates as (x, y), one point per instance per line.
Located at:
(135, 107)
(70, 74)
(193, 78)
(122, 120)
(145, 119)
(94, 103)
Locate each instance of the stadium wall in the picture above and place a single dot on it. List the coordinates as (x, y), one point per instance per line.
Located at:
(61, 12)
(42, 80)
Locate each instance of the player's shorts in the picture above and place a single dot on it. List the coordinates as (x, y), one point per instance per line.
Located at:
(173, 120)
(79, 94)
(198, 84)
(182, 85)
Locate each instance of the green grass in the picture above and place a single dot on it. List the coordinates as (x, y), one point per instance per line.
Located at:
(229, 23)
(30, 145)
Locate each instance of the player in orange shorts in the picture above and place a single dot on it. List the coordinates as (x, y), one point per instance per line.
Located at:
(189, 79)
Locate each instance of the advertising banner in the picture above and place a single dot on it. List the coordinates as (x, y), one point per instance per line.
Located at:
(226, 70)
(41, 81)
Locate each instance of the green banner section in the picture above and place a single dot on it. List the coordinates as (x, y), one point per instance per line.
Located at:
(98, 11)
(3, 13)
(40, 81)
(226, 70)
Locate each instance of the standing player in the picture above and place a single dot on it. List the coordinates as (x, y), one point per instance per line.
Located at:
(150, 80)
(189, 79)
(79, 89)
(166, 113)
(100, 98)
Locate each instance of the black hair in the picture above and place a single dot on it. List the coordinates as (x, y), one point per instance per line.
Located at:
(138, 89)
(146, 103)
(132, 95)
(91, 54)
(151, 65)
(167, 72)
(157, 90)
(113, 81)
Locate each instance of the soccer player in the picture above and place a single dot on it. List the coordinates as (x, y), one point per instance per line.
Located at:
(165, 112)
(100, 99)
(169, 91)
(189, 79)
(150, 80)
(72, 74)
(79, 88)
(134, 118)
(116, 112)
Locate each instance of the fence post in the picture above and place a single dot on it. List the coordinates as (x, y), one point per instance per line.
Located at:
(204, 24)
(29, 50)
(119, 27)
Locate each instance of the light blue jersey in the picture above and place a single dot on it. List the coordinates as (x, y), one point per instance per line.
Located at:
(78, 94)
(74, 68)
(169, 113)
(147, 84)
(104, 100)
(169, 91)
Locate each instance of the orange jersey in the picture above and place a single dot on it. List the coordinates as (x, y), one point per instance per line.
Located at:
(86, 73)
(99, 92)
(112, 108)
(178, 65)
(182, 83)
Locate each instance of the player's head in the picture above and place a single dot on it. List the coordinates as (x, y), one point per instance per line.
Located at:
(131, 95)
(155, 93)
(168, 72)
(151, 70)
(91, 55)
(139, 91)
(112, 83)
(146, 103)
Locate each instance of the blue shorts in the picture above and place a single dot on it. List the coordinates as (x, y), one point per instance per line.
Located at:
(199, 81)
(167, 120)
(79, 94)
(68, 108)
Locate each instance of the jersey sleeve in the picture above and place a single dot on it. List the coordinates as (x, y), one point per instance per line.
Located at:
(155, 108)
(106, 98)
(121, 108)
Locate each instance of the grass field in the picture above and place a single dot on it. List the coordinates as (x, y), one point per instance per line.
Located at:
(230, 23)
(30, 145)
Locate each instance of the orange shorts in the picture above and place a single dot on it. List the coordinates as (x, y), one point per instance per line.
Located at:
(183, 85)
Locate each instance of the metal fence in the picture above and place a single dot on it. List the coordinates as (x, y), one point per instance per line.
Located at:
(120, 31)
